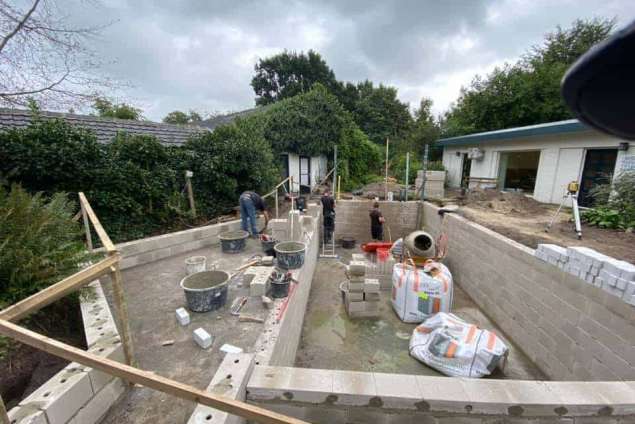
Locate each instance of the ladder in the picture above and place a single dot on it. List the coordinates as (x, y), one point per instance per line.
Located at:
(328, 248)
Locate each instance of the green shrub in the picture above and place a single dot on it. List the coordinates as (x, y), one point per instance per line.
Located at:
(39, 242)
(614, 203)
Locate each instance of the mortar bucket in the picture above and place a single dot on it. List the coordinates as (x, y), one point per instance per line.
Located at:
(268, 247)
(205, 291)
(195, 264)
(233, 241)
(290, 254)
(280, 288)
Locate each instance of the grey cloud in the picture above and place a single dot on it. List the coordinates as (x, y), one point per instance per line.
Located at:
(200, 54)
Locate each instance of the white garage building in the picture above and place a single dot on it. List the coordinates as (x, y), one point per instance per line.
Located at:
(538, 159)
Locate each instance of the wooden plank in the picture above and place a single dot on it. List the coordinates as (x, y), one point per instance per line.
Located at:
(58, 290)
(144, 378)
(4, 416)
(103, 236)
(89, 236)
(190, 195)
(122, 313)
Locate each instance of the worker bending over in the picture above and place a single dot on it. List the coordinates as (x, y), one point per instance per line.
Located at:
(249, 203)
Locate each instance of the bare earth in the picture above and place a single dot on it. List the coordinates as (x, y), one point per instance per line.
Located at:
(524, 220)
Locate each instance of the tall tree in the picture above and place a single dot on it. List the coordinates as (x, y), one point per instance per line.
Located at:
(44, 57)
(106, 109)
(182, 118)
(289, 73)
(379, 113)
(423, 130)
(527, 92)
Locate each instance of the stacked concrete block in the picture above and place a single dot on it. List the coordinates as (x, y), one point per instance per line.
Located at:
(362, 298)
(279, 229)
(435, 181)
(260, 281)
(585, 263)
(295, 226)
(554, 254)
(618, 278)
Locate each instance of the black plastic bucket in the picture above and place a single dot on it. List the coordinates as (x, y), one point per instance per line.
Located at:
(268, 247)
(348, 242)
(233, 241)
(205, 291)
(290, 254)
(280, 288)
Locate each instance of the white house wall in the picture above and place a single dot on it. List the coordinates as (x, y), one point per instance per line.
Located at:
(561, 159)
(318, 169)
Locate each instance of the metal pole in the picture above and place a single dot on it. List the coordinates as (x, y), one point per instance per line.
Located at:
(277, 204)
(425, 169)
(334, 166)
(407, 172)
(386, 183)
(4, 416)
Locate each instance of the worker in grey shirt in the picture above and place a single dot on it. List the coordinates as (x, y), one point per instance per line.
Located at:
(249, 203)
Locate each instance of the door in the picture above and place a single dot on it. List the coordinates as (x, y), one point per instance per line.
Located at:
(599, 165)
(305, 174)
(465, 171)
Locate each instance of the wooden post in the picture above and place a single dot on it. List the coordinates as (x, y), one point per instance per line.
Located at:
(4, 416)
(386, 183)
(190, 192)
(89, 237)
(122, 312)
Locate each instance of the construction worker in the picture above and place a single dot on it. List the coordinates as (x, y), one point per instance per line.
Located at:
(328, 215)
(249, 203)
(376, 223)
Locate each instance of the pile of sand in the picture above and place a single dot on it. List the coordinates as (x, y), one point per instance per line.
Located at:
(503, 202)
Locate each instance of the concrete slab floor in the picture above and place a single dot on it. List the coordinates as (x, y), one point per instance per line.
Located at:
(330, 340)
(153, 294)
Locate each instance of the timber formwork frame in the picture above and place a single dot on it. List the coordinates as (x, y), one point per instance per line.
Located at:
(110, 265)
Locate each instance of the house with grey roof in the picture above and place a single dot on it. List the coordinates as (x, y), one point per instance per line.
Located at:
(539, 160)
(105, 129)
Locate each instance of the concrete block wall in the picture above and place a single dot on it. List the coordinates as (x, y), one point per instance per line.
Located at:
(335, 396)
(572, 330)
(143, 251)
(79, 394)
(352, 218)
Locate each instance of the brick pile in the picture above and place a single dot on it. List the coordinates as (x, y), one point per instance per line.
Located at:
(362, 297)
(613, 276)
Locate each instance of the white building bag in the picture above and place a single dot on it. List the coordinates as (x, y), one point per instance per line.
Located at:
(457, 348)
(418, 292)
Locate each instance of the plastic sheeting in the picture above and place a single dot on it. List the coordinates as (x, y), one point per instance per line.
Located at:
(457, 348)
(419, 292)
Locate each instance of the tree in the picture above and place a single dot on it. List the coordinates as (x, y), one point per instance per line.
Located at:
(527, 92)
(182, 118)
(379, 113)
(423, 130)
(43, 56)
(289, 73)
(106, 109)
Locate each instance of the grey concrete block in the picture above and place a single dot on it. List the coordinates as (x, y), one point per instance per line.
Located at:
(355, 286)
(371, 285)
(357, 268)
(354, 296)
(182, 316)
(97, 407)
(27, 414)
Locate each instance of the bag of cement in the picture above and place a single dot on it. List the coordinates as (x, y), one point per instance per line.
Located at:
(418, 292)
(457, 348)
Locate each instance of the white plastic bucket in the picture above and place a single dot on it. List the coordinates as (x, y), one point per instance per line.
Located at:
(195, 264)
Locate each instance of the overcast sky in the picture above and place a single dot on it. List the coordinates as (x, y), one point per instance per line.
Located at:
(200, 54)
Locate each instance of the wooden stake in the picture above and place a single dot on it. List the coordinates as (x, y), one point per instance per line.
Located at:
(103, 236)
(89, 236)
(4, 416)
(122, 313)
(190, 194)
(144, 378)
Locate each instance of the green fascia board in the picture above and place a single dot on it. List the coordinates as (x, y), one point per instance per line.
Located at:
(559, 127)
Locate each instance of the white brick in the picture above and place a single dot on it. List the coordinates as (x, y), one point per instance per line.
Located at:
(629, 294)
(62, 396)
(202, 338)
(27, 414)
(182, 316)
(97, 407)
(357, 268)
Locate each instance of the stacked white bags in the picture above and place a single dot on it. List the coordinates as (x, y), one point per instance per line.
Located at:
(457, 348)
(418, 292)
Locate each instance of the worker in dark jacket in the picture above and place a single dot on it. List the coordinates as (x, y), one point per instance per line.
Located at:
(328, 215)
(376, 223)
(250, 202)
